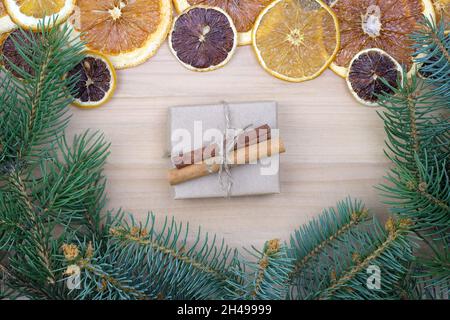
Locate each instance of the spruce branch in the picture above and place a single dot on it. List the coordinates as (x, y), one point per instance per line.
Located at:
(432, 46)
(265, 277)
(394, 241)
(418, 185)
(101, 279)
(39, 98)
(38, 237)
(418, 285)
(204, 264)
(411, 123)
(424, 198)
(67, 185)
(140, 237)
(312, 240)
(418, 141)
(139, 261)
(336, 249)
(38, 189)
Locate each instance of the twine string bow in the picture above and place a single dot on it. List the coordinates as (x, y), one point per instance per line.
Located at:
(230, 138)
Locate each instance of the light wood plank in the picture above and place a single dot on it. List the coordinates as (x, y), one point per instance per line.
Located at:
(335, 146)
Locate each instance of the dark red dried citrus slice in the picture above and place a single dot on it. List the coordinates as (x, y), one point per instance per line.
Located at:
(10, 55)
(203, 38)
(384, 24)
(96, 81)
(366, 73)
(243, 13)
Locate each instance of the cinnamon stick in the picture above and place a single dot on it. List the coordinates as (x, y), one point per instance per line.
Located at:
(249, 154)
(245, 139)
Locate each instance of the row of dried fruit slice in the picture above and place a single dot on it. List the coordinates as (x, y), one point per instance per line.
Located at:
(127, 31)
(294, 40)
(130, 31)
(95, 75)
(386, 25)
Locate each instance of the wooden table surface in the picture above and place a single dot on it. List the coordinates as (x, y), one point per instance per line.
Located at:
(335, 146)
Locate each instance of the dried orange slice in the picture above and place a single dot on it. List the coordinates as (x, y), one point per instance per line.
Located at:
(30, 13)
(368, 72)
(296, 40)
(128, 32)
(383, 24)
(96, 81)
(243, 13)
(443, 12)
(6, 24)
(203, 38)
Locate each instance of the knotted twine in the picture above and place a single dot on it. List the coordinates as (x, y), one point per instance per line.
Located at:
(230, 138)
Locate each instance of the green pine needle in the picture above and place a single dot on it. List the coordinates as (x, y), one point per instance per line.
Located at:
(334, 252)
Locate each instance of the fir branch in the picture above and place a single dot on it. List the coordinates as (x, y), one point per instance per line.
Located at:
(418, 186)
(203, 264)
(65, 187)
(338, 247)
(418, 285)
(266, 278)
(140, 237)
(140, 262)
(29, 275)
(272, 248)
(396, 232)
(37, 238)
(411, 124)
(418, 183)
(309, 242)
(43, 94)
(101, 279)
(424, 198)
(33, 117)
(432, 46)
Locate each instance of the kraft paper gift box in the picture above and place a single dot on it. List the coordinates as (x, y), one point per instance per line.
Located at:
(249, 179)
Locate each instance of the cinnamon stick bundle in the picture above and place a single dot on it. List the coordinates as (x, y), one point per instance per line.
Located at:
(249, 154)
(246, 139)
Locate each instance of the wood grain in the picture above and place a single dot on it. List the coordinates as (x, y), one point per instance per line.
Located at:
(335, 146)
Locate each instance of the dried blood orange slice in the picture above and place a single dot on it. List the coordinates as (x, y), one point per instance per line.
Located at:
(29, 14)
(96, 81)
(6, 24)
(366, 73)
(203, 38)
(384, 24)
(243, 13)
(128, 32)
(11, 56)
(296, 40)
(443, 12)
